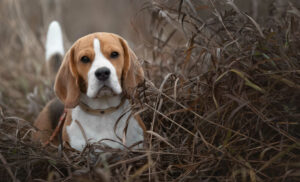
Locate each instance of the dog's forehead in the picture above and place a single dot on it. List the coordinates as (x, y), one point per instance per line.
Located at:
(105, 39)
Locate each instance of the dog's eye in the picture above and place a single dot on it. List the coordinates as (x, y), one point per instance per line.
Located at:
(114, 54)
(85, 59)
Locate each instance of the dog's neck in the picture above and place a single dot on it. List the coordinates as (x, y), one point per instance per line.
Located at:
(104, 102)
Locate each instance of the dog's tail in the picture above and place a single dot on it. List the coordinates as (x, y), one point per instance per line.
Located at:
(54, 49)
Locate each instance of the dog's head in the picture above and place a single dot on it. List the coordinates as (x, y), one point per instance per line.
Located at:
(98, 65)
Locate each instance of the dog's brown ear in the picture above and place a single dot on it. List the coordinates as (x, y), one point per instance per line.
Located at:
(66, 85)
(133, 73)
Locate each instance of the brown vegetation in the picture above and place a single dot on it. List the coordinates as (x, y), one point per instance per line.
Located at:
(221, 99)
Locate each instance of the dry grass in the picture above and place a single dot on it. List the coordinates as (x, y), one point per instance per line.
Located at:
(223, 107)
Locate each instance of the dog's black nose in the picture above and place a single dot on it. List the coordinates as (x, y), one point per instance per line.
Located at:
(102, 74)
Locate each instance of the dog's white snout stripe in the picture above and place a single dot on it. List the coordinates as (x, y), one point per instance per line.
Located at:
(97, 48)
(100, 61)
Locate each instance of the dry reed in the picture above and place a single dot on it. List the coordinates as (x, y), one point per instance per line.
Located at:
(224, 106)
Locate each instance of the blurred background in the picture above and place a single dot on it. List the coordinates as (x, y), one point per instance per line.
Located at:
(233, 64)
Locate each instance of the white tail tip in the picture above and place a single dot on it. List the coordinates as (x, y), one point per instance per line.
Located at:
(54, 42)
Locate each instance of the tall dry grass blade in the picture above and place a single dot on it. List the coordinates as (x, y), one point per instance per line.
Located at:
(247, 81)
(160, 138)
(277, 156)
(8, 169)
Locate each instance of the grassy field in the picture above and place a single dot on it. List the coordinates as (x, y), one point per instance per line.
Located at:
(221, 100)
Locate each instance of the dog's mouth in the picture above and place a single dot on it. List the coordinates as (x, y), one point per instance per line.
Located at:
(105, 91)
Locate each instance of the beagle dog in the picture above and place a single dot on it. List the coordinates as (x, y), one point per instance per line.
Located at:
(97, 76)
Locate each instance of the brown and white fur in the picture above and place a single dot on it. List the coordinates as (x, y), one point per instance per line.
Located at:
(99, 70)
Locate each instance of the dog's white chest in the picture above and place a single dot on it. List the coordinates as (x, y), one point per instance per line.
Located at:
(101, 128)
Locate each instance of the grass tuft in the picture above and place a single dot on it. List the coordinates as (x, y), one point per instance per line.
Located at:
(220, 100)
